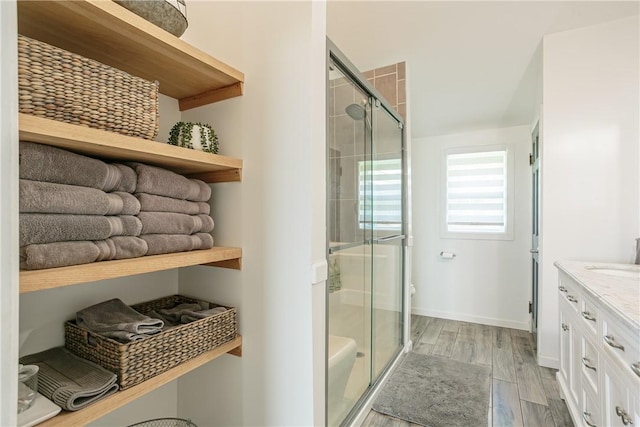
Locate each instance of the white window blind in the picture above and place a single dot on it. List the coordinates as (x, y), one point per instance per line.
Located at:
(380, 198)
(476, 196)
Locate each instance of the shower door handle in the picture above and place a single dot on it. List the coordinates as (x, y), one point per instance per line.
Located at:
(388, 238)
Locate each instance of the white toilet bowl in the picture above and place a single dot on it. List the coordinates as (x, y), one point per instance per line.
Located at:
(342, 356)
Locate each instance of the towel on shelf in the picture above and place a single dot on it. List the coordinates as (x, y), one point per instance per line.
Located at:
(62, 254)
(192, 316)
(49, 197)
(162, 182)
(168, 243)
(174, 314)
(174, 223)
(153, 203)
(47, 228)
(70, 381)
(40, 162)
(114, 319)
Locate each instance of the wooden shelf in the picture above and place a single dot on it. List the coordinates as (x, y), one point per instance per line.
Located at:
(107, 32)
(38, 280)
(121, 398)
(98, 143)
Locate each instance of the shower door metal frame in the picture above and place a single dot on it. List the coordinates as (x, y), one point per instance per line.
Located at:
(351, 71)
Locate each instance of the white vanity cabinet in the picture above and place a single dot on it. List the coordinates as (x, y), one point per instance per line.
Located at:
(599, 374)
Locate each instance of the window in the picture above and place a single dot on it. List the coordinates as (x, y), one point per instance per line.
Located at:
(477, 201)
(381, 196)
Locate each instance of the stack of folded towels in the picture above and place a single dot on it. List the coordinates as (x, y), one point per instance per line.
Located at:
(173, 211)
(75, 209)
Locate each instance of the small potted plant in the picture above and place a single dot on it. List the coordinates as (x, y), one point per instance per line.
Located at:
(197, 136)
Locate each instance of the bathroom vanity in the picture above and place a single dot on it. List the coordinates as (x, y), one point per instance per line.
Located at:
(599, 374)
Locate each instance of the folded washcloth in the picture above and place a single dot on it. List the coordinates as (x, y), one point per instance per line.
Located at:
(168, 243)
(174, 223)
(162, 182)
(70, 381)
(47, 228)
(192, 316)
(153, 203)
(49, 197)
(114, 319)
(62, 254)
(40, 162)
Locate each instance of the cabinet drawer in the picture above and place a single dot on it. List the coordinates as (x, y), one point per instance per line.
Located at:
(620, 344)
(590, 409)
(570, 293)
(589, 365)
(617, 412)
(589, 315)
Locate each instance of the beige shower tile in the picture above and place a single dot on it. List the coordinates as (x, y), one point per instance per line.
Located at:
(386, 85)
(389, 69)
(402, 91)
(368, 74)
(402, 70)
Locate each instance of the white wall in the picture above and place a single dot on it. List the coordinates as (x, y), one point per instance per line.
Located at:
(489, 280)
(8, 216)
(590, 164)
(277, 128)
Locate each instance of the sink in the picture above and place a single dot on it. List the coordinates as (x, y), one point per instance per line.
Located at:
(630, 272)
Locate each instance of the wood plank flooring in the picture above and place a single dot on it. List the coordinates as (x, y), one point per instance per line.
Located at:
(523, 393)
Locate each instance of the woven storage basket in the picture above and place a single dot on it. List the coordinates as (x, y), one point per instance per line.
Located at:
(63, 86)
(138, 361)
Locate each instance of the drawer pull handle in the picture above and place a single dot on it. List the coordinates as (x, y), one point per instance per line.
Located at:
(626, 420)
(586, 416)
(572, 298)
(588, 316)
(587, 364)
(562, 288)
(635, 367)
(565, 327)
(609, 339)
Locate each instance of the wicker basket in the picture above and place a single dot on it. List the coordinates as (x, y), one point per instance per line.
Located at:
(138, 361)
(63, 86)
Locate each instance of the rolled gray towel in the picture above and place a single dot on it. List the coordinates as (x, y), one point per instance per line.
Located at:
(174, 223)
(168, 243)
(70, 381)
(48, 228)
(114, 319)
(192, 316)
(153, 203)
(162, 182)
(62, 254)
(49, 197)
(40, 162)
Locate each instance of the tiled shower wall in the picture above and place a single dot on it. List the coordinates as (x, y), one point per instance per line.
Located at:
(346, 147)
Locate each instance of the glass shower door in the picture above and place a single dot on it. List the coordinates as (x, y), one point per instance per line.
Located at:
(387, 240)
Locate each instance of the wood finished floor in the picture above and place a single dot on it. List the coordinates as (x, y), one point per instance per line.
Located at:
(522, 393)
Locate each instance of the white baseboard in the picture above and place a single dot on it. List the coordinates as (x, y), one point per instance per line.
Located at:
(524, 326)
(548, 362)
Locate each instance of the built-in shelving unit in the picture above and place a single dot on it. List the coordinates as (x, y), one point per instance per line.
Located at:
(121, 398)
(108, 33)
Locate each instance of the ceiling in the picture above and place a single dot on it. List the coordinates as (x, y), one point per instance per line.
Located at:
(470, 65)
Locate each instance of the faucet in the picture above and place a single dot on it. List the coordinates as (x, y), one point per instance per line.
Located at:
(638, 250)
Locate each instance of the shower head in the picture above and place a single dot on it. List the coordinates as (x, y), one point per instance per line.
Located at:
(355, 111)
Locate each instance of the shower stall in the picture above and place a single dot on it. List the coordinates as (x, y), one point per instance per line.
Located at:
(365, 238)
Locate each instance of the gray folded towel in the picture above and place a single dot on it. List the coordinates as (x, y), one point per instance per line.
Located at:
(153, 203)
(168, 243)
(174, 314)
(62, 254)
(192, 316)
(162, 182)
(49, 197)
(40, 162)
(174, 223)
(70, 381)
(47, 228)
(114, 319)
(128, 179)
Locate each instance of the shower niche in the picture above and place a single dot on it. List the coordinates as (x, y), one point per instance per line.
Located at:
(365, 238)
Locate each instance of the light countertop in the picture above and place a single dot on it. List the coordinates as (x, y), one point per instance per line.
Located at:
(620, 294)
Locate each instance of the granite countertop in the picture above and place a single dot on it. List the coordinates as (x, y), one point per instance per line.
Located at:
(621, 294)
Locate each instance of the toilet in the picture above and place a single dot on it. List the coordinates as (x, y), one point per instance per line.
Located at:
(342, 356)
